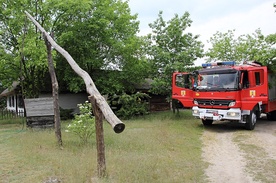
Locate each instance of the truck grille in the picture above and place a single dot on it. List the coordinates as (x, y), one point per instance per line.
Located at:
(213, 102)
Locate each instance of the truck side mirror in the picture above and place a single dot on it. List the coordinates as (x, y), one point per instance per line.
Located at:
(240, 86)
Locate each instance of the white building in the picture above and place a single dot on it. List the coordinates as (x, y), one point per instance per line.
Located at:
(15, 101)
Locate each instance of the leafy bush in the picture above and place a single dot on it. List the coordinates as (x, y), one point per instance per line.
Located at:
(83, 124)
(3, 103)
(66, 114)
(133, 105)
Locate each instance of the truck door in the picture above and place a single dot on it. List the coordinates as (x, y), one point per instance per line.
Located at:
(182, 89)
(254, 88)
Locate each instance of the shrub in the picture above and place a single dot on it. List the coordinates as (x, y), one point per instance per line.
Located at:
(66, 114)
(83, 124)
(133, 105)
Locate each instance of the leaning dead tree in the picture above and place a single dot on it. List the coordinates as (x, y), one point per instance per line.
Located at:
(99, 104)
(54, 91)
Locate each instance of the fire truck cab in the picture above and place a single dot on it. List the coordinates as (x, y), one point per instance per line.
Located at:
(226, 91)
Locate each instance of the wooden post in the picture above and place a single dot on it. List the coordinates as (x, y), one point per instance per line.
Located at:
(99, 137)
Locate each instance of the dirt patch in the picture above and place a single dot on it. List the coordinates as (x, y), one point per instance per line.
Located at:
(226, 162)
(237, 155)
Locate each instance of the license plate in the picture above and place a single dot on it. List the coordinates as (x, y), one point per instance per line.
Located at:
(211, 111)
(214, 112)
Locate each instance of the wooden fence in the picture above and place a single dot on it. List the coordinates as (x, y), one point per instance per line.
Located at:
(6, 114)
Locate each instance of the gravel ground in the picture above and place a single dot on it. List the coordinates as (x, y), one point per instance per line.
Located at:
(238, 155)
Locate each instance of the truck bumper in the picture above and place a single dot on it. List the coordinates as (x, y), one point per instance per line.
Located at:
(233, 114)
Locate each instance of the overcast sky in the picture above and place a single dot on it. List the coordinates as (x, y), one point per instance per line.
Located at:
(210, 16)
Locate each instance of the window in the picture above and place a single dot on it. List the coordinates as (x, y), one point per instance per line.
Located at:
(12, 101)
(9, 101)
(215, 81)
(20, 101)
(179, 81)
(183, 81)
(257, 78)
(245, 80)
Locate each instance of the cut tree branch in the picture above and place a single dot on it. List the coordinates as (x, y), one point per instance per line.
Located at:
(117, 125)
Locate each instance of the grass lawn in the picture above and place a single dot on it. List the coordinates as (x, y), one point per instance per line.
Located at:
(159, 147)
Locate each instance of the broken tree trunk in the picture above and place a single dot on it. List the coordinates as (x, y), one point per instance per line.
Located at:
(117, 125)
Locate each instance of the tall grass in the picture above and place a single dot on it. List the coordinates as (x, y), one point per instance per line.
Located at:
(160, 147)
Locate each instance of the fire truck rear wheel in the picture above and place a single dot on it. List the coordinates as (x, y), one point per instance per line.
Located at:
(271, 116)
(251, 120)
(207, 122)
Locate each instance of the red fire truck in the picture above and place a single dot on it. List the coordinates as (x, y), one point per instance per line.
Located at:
(226, 91)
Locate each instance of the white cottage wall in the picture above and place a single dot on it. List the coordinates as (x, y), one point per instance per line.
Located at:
(14, 103)
(69, 100)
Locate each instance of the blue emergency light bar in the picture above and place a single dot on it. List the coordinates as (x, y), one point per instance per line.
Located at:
(231, 63)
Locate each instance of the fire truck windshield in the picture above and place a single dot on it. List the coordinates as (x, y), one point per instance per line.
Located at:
(217, 81)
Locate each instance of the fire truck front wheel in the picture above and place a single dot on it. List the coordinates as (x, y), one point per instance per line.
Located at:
(207, 122)
(251, 120)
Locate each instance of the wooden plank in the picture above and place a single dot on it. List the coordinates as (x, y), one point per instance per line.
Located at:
(40, 121)
(39, 106)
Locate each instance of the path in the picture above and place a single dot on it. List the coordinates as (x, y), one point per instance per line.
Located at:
(237, 155)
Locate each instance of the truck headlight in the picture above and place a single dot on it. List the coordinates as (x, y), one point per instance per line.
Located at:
(195, 102)
(195, 111)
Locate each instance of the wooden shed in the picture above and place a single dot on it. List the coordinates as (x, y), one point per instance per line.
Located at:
(40, 112)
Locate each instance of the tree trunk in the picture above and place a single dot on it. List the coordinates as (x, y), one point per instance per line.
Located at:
(54, 91)
(117, 125)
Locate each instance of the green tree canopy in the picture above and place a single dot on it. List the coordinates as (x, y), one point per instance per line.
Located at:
(21, 49)
(103, 41)
(99, 34)
(250, 47)
(171, 49)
